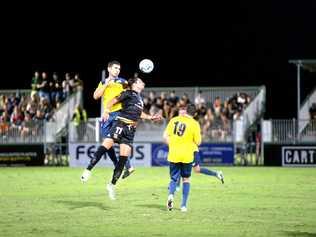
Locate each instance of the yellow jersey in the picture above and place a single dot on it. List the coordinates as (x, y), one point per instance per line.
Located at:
(113, 89)
(184, 137)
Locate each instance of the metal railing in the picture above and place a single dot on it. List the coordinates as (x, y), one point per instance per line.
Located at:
(27, 132)
(208, 93)
(285, 132)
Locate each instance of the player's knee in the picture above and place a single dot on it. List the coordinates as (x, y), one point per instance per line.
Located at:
(186, 180)
(196, 169)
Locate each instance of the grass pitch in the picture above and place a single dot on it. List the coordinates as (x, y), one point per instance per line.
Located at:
(254, 201)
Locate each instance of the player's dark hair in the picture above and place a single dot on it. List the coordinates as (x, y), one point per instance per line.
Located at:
(191, 110)
(131, 81)
(111, 63)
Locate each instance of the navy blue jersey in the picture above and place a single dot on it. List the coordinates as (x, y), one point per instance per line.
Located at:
(132, 105)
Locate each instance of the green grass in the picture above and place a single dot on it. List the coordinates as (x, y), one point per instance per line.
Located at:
(252, 202)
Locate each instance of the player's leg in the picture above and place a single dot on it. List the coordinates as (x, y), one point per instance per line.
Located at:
(178, 184)
(106, 145)
(198, 169)
(125, 151)
(105, 131)
(186, 170)
(129, 169)
(174, 171)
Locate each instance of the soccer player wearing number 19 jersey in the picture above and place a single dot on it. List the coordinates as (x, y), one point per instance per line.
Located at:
(183, 135)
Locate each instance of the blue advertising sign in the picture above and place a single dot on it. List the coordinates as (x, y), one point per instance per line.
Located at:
(210, 154)
(217, 154)
(159, 154)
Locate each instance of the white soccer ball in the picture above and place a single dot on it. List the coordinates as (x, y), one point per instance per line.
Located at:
(146, 65)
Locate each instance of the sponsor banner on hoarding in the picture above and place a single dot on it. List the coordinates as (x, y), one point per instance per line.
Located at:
(217, 153)
(299, 156)
(81, 153)
(159, 154)
(22, 154)
(210, 153)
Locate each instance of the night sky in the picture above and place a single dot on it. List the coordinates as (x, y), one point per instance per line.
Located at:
(239, 44)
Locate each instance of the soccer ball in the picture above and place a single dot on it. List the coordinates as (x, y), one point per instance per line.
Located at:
(146, 65)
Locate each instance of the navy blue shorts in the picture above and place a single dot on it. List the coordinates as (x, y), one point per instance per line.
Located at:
(197, 159)
(179, 169)
(122, 133)
(106, 126)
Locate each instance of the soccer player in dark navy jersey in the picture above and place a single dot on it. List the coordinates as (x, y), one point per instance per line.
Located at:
(124, 127)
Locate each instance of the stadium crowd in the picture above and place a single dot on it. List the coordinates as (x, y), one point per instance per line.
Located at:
(215, 116)
(23, 114)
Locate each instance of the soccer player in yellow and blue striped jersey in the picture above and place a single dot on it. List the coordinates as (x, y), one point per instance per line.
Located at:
(108, 88)
(183, 135)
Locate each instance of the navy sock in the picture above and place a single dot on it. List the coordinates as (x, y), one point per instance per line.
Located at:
(112, 155)
(207, 172)
(172, 187)
(118, 169)
(185, 194)
(179, 181)
(97, 156)
(128, 163)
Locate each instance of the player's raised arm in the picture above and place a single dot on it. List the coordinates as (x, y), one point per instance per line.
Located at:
(98, 93)
(108, 107)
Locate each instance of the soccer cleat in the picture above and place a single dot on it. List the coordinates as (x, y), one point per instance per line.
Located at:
(111, 191)
(220, 176)
(184, 209)
(127, 173)
(170, 203)
(85, 176)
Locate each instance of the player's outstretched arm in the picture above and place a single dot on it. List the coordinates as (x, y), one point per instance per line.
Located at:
(155, 117)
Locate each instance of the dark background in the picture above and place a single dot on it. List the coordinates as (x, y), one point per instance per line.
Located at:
(232, 44)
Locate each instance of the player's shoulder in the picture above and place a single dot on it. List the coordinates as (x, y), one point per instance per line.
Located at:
(121, 80)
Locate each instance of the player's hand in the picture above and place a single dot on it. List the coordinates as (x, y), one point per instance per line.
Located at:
(105, 116)
(156, 117)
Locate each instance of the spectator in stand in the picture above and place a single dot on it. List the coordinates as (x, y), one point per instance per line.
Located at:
(152, 97)
(27, 126)
(147, 105)
(39, 116)
(173, 99)
(199, 99)
(44, 87)
(16, 117)
(80, 121)
(35, 82)
(56, 90)
(207, 122)
(46, 107)
(4, 123)
(166, 110)
(312, 111)
(66, 84)
(78, 83)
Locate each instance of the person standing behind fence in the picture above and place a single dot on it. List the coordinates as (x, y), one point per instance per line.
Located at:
(80, 121)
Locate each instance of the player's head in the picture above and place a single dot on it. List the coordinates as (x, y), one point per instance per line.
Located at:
(136, 84)
(114, 68)
(191, 110)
